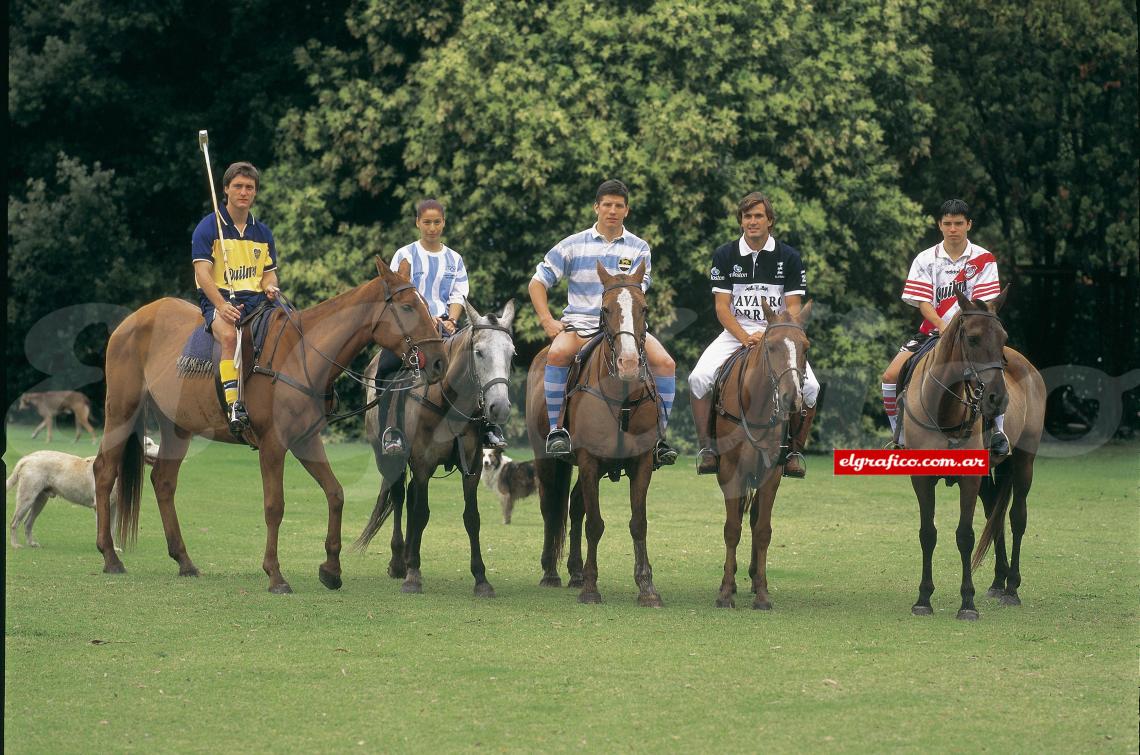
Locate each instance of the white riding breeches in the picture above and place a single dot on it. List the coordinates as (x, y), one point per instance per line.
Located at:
(703, 374)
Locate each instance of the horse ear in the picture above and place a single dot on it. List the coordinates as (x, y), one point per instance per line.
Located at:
(998, 302)
(769, 315)
(804, 315)
(473, 315)
(604, 274)
(507, 316)
(639, 272)
(382, 267)
(964, 302)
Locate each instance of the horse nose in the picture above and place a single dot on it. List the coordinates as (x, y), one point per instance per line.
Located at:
(498, 411)
(627, 367)
(436, 369)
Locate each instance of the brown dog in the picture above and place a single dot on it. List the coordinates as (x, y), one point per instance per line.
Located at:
(512, 480)
(51, 403)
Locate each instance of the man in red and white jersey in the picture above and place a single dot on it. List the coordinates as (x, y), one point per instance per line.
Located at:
(936, 276)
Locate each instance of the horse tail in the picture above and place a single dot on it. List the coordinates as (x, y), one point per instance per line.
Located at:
(130, 481)
(380, 513)
(1002, 486)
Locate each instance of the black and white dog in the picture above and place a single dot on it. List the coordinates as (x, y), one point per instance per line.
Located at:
(512, 480)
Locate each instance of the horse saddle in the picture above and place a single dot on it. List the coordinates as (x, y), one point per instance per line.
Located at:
(909, 365)
(573, 378)
(201, 352)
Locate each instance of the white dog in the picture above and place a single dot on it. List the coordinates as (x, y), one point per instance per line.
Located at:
(45, 474)
(512, 480)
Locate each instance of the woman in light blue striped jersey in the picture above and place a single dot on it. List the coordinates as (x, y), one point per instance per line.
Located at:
(438, 273)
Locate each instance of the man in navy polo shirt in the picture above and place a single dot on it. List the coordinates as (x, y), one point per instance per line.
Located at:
(743, 271)
(234, 281)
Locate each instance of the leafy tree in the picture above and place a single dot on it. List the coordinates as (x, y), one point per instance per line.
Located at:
(518, 110)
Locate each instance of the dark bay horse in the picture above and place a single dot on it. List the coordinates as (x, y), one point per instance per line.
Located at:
(756, 395)
(442, 424)
(969, 375)
(613, 422)
(287, 404)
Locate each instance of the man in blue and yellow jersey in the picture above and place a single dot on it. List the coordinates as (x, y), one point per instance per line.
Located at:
(246, 268)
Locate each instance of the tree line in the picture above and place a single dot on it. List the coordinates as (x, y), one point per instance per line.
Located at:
(857, 118)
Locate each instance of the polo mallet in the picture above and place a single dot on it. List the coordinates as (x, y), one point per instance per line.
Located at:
(204, 142)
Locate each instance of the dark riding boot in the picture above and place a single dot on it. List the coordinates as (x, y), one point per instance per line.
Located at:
(493, 437)
(663, 454)
(239, 419)
(999, 444)
(708, 462)
(558, 444)
(794, 465)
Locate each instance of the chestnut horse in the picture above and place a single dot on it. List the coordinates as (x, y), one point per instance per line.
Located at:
(756, 395)
(287, 398)
(969, 375)
(443, 425)
(613, 422)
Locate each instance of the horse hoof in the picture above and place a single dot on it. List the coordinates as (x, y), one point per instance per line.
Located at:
(281, 589)
(918, 610)
(994, 592)
(328, 579)
(554, 581)
(188, 571)
(968, 614)
(1009, 600)
(114, 569)
(412, 588)
(484, 590)
(650, 601)
(725, 603)
(761, 605)
(575, 582)
(397, 572)
(590, 597)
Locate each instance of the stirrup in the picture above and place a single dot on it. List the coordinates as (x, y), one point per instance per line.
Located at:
(239, 419)
(893, 445)
(558, 443)
(795, 466)
(493, 438)
(392, 442)
(708, 462)
(999, 444)
(663, 454)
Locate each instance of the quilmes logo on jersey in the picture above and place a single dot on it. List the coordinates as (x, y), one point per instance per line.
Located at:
(625, 264)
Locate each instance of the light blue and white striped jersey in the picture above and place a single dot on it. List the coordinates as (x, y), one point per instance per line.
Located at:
(576, 258)
(440, 277)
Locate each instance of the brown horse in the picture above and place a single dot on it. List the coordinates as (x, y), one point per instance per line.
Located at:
(444, 425)
(756, 394)
(287, 398)
(969, 375)
(613, 421)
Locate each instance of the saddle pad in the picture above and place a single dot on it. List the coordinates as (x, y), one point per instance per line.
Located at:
(197, 358)
(909, 365)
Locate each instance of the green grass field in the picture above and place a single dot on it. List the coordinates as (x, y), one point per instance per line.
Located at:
(149, 661)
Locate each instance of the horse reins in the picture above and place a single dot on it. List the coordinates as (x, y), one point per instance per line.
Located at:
(777, 411)
(971, 378)
(411, 358)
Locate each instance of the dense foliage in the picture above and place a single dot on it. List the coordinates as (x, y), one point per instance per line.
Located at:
(858, 118)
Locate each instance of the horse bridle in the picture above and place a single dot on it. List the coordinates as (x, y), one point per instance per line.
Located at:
(412, 358)
(971, 378)
(612, 336)
(775, 378)
(484, 387)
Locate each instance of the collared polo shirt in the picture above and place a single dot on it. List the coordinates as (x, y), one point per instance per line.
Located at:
(751, 278)
(250, 254)
(935, 278)
(575, 258)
